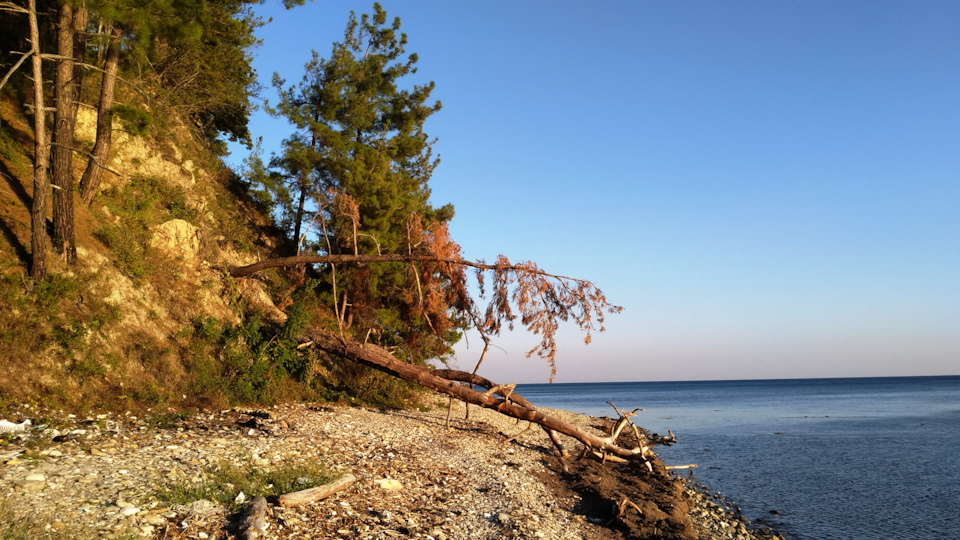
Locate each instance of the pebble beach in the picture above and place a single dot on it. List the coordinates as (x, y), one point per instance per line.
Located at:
(102, 476)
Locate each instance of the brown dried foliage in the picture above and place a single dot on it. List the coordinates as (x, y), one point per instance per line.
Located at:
(539, 299)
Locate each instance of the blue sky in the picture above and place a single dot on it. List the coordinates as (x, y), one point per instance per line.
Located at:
(770, 189)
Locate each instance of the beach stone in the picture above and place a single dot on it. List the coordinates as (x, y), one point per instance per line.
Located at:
(154, 519)
(389, 484)
(416, 476)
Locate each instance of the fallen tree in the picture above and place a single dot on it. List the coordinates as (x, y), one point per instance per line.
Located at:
(447, 381)
(543, 300)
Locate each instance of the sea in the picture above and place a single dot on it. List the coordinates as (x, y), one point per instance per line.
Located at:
(850, 458)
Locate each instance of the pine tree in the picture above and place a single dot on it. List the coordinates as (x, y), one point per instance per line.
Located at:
(198, 51)
(359, 164)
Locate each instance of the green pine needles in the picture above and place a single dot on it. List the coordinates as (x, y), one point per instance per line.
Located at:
(353, 179)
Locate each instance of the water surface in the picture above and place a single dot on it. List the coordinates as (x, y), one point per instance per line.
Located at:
(813, 458)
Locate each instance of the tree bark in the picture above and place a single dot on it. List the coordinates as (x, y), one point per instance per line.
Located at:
(64, 239)
(81, 17)
(93, 174)
(38, 214)
(298, 220)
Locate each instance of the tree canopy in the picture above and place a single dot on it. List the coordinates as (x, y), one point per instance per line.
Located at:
(355, 173)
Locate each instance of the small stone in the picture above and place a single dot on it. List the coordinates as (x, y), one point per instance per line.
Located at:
(154, 519)
(129, 511)
(35, 477)
(389, 484)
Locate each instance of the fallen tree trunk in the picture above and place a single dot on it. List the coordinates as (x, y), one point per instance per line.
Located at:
(447, 382)
(298, 498)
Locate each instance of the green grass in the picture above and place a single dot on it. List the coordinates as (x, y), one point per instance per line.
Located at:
(168, 420)
(225, 481)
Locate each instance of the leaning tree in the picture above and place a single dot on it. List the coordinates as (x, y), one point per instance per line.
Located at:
(353, 179)
(511, 292)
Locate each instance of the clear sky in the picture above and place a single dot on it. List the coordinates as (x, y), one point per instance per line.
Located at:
(770, 189)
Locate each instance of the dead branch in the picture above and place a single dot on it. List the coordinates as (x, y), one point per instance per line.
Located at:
(250, 269)
(88, 155)
(498, 389)
(516, 407)
(23, 58)
(522, 431)
(10, 6)
(540, 299)
(298, 498)
(676, 467)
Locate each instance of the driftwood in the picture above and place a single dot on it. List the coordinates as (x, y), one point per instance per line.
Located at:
(676, 467)
(508, 403)
(253, 521)
(305, 496)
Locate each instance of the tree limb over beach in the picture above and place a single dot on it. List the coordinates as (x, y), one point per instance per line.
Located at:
(543, 300)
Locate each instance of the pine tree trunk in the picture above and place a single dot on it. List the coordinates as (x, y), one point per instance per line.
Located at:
(64, 240)
(298, 221)
(38, 214)
(81, 17)
(92, 176)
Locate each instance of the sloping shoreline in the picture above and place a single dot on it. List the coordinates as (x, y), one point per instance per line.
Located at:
(102, 479)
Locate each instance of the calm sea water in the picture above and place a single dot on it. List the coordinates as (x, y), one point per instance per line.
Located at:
(813, 458)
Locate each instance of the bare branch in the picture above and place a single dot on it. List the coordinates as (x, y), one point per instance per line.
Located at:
(543, 299)
(250, 269)
(89, 155)
(22, 59)
(10, 6)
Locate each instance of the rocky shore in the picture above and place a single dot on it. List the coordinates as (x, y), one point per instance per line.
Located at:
(110, 476)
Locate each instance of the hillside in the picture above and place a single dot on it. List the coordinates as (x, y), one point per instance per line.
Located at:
(148, 316)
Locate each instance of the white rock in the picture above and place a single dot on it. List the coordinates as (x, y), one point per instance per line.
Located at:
(389, 483)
